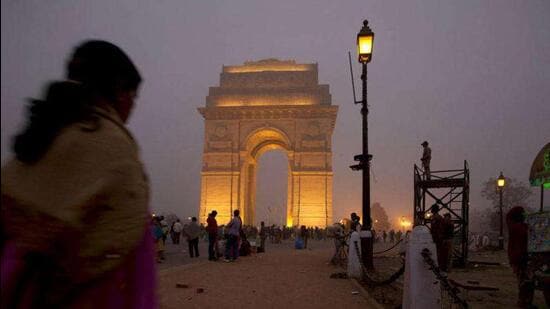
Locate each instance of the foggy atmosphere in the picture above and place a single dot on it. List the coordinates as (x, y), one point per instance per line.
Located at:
(249, 106)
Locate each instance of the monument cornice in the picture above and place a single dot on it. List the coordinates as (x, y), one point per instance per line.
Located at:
(269, 112)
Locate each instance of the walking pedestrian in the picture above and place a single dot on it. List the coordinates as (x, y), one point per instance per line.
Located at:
(157, 236)
(192, 232)
(176, 229)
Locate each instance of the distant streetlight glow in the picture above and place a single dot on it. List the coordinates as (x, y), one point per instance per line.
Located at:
(501, 181)
(405, 224)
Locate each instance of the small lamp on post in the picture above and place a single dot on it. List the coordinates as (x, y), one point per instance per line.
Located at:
(501, 182)
(365, 40)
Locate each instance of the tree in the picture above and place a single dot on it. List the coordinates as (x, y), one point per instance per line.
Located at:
(515, 193)
(379, 217)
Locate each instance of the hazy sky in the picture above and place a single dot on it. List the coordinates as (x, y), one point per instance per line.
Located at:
(471, 77)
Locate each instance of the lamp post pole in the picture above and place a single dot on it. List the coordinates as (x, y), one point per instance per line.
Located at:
(500, 237)
(367, 222)
(365, 39)
(501, 181)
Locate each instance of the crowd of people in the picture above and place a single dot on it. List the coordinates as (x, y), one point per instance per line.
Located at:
(230, 240)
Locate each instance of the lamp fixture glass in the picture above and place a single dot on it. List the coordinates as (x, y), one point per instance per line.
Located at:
(365, 41)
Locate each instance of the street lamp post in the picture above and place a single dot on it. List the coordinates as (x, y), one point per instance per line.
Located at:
(365, 40)
(501, 181)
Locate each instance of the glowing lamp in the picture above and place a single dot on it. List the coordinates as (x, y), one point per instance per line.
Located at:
(501, 181)
(365, 40)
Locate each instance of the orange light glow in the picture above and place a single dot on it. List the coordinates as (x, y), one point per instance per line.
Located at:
(268, 65)
(224, 102)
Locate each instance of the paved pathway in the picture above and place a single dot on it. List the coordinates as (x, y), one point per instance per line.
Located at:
(280, 278)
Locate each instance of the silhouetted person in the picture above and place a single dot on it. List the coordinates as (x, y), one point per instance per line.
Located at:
(357, 220)
(448, 234)
(263, 236)
(437, 229)
(426, 158)
(212, 230)
(517, 255)
(79, 186)
(391, 234)
(304, 235)
(398, 235)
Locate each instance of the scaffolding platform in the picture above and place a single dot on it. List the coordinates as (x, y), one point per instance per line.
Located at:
(450, 189)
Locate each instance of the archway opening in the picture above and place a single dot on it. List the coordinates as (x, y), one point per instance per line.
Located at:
(271, 188)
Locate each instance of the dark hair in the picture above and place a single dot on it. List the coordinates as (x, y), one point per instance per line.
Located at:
(236, 212)
(97, 69)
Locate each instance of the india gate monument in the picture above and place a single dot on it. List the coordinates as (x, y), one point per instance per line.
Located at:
(261, 106)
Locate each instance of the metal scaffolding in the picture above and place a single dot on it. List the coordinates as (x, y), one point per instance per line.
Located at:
(449, 189)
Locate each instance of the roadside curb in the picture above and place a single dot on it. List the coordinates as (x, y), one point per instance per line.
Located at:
(372, 302)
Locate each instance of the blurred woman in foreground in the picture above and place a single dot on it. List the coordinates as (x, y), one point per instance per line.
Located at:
(74, 216)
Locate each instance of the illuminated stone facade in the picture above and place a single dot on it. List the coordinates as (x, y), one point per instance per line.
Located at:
(262, 106)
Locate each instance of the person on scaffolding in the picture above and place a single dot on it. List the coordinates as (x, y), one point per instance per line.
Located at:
(426, 158)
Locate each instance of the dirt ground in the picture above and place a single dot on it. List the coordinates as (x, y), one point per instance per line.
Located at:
(280, 278)
(287, 278)
(500, 276)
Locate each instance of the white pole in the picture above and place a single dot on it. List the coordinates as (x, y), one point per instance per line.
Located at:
(421, 288)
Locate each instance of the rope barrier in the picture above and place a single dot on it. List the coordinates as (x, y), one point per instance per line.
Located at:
(372, 282)
(397, 243)
(453, 291)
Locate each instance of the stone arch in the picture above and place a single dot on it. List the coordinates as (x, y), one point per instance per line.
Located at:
(266, 136)
(257, 143)
(259, 107)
